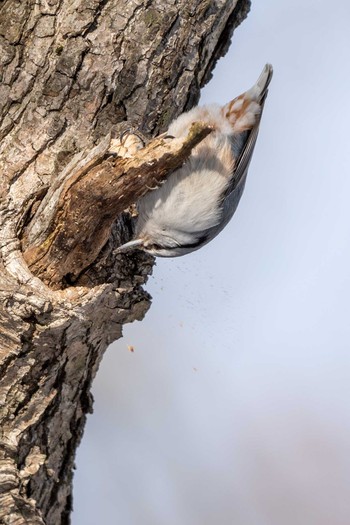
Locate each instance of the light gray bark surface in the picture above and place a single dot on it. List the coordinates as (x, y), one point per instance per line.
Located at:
(71, 72)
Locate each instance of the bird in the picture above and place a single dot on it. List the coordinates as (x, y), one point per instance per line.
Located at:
(198, 199)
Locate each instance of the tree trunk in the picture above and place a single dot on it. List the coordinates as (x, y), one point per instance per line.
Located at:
(73, 72)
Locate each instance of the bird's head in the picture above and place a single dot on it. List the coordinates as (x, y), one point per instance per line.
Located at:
(169, 244)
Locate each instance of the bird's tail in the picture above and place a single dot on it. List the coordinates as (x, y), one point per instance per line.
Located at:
(244, 110)
(262, 84)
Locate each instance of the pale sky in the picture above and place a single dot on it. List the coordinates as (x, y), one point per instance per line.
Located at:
(234, 407)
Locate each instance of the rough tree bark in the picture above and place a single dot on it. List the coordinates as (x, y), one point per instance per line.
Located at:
(73, 72)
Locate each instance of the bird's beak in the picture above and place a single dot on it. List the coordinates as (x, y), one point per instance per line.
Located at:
(137, 243)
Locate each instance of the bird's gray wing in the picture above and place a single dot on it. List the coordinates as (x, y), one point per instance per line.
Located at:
(241, 166)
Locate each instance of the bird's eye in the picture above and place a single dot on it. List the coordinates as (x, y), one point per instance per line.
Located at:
(153, 246)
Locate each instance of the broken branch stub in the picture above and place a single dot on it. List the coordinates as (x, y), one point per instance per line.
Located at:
(91, 199)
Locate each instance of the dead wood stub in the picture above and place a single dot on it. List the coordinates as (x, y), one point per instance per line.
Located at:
(93, 197)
